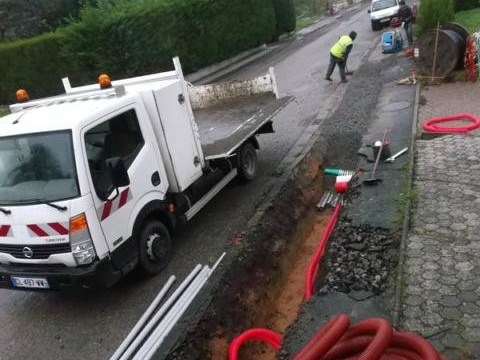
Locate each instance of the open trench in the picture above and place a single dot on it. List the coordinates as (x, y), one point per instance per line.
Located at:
(277, 306)
(264, 285)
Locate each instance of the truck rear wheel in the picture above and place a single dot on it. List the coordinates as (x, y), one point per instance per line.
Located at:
(155, 247)
(247, 162)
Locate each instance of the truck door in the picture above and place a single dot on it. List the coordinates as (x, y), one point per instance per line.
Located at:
(123, 135)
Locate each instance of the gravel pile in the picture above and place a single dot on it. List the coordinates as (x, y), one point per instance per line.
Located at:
(359, 258)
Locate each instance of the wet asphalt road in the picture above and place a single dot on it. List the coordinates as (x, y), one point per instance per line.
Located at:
(91, 325)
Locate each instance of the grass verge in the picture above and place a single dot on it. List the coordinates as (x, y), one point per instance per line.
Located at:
(470, 19)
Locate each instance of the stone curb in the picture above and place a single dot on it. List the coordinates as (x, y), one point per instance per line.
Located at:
(406, 219)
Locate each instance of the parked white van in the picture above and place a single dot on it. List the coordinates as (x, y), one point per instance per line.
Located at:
(382, 12)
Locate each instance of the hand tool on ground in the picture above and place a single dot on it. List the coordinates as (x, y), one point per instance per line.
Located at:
(393, 157)
(337, 172)
(372, 179)
(348, 72)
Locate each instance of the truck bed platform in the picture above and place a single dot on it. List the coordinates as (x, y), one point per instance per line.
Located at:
(224, 127)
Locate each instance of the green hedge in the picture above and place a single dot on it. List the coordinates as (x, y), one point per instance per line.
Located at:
(128, 37)
(34, 64)
(135, 37)
(285, 16)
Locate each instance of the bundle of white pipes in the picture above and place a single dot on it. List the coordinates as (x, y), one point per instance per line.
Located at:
(153, 327)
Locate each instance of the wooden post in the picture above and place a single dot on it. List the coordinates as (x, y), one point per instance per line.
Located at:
(435, 51)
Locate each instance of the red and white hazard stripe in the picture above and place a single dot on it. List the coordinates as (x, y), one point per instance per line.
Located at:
(50, 229)
(6, 231)
(110, 207)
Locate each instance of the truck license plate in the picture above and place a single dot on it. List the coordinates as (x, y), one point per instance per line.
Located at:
(385, 20)
(33, 283)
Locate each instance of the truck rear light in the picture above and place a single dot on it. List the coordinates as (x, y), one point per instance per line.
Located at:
(82, 246)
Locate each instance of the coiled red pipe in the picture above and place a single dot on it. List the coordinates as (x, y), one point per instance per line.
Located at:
(431, 124)
(267, 336)
(372, 339)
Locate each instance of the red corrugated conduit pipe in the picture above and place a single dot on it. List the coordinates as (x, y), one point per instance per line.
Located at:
(312, 269)
(431, 125)
(372, 339)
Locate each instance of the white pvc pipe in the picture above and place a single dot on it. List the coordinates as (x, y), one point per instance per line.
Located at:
(148, 327)
(149, 343)
(166, 325)
(164, 328)
(141, 322)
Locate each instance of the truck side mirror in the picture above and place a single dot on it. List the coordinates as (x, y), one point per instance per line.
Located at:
(369, 11)
(118, 172)
(114, 176)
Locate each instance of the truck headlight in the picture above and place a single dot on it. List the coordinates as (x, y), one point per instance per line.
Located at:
(82, 245)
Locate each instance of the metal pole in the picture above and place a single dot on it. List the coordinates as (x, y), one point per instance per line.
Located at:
(148, 327)
(435, 51)
(141, 322)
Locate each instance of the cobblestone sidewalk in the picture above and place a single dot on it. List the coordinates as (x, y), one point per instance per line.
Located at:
(441, 297)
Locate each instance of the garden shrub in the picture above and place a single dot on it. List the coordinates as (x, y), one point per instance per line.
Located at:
(35, 64)
(284, 15)
(127, 38)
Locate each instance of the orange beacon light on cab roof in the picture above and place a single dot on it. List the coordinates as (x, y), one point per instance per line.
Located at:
(104, 81)
(22, 95)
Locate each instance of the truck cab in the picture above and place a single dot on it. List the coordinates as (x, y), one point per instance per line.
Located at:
(93, 182)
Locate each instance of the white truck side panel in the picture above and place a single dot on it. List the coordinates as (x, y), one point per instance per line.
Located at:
(181, 138)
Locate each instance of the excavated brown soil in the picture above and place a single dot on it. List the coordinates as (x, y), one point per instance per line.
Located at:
(279, 306)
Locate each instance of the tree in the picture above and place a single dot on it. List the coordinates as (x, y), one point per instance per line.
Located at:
(433, 12)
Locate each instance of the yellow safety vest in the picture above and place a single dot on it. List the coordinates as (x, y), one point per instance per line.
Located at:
(338, 50)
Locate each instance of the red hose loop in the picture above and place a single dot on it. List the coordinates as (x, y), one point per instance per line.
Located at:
(382, 331)
(267, 336)
(324, 339)
(406, 353)
(313, 264)
(431, 124)
(414, 342)
(351, 347)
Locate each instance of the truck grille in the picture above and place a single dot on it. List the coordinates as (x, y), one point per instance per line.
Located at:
(36, 251)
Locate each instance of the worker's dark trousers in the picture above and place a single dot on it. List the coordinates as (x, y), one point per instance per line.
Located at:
(341, 65)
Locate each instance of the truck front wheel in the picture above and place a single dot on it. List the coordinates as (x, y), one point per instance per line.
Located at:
(155, 247)
(247, 162)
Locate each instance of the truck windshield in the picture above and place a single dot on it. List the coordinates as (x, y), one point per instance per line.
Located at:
(37, 168)
(383, 4)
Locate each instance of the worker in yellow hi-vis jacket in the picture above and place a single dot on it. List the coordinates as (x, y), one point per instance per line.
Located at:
(339, 55)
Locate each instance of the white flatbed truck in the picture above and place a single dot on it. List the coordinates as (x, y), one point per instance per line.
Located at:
(92, 182)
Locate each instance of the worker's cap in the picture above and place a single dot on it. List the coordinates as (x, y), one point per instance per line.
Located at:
(353, 35)
(402, 2)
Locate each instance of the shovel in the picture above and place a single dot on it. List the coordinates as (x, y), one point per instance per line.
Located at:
(348, 72)
(372, 180)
